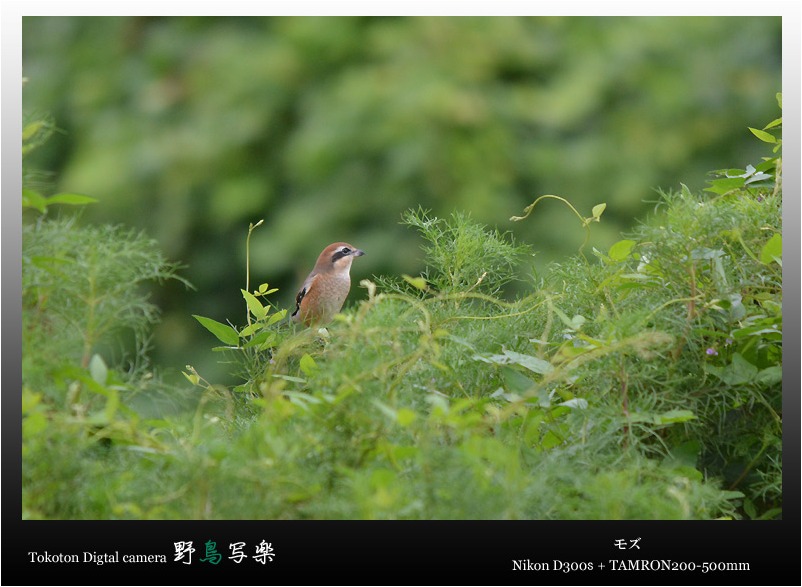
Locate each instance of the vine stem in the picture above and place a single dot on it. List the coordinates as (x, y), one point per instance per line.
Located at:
(585, 221)
(251, 228)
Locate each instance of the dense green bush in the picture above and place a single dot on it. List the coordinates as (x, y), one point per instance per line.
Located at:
(82, 300)
(640, 382)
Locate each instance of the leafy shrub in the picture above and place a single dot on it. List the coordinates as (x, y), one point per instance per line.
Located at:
(85, 329)
(642, 382)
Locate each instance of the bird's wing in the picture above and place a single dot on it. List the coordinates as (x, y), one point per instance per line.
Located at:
(303, 291)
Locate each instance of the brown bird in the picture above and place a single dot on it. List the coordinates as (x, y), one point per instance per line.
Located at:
(324, 291)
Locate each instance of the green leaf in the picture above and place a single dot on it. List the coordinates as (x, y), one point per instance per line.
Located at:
(308, 365)
(770, 514)
(767, 165)
(255, 306)
(276, 317)
(758, 177)
(763, 135)
(224, 333)
(574, 323)
(621, 250)
(249, 330)
(550, 440)
(50, 263)
(417, 282)
(773, 123)
(738, 372)
(771, 331)
(98, 369)
(32, 199)
(263, 340)
(597, 210)
(670, 417)
(71, 199)
(575, 403)
(578, 321)
(193, 378)
(722, 186)
(772, 250)
(515, 381)
(31, 129)
(599, 254)
(532, 363)
(675, 416)
(770, 375)
(405, 417)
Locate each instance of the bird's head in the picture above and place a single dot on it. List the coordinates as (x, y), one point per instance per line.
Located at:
(337, 257)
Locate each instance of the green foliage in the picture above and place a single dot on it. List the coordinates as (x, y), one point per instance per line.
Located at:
(643, 382)
(83, 300)
(464, 255)
(82, 287)
(189, 128)
(252, 347)
(36, 133)
(766, 174)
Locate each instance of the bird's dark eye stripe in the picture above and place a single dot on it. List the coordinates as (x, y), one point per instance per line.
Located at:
(344, 252)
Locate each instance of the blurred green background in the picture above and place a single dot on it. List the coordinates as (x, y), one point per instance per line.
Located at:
(329, 128)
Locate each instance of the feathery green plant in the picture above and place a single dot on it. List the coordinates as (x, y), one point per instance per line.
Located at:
(642, 382)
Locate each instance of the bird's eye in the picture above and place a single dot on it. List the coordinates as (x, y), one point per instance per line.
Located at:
(345, 251)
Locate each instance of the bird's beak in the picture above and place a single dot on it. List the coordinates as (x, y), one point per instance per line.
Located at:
(358, 253)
